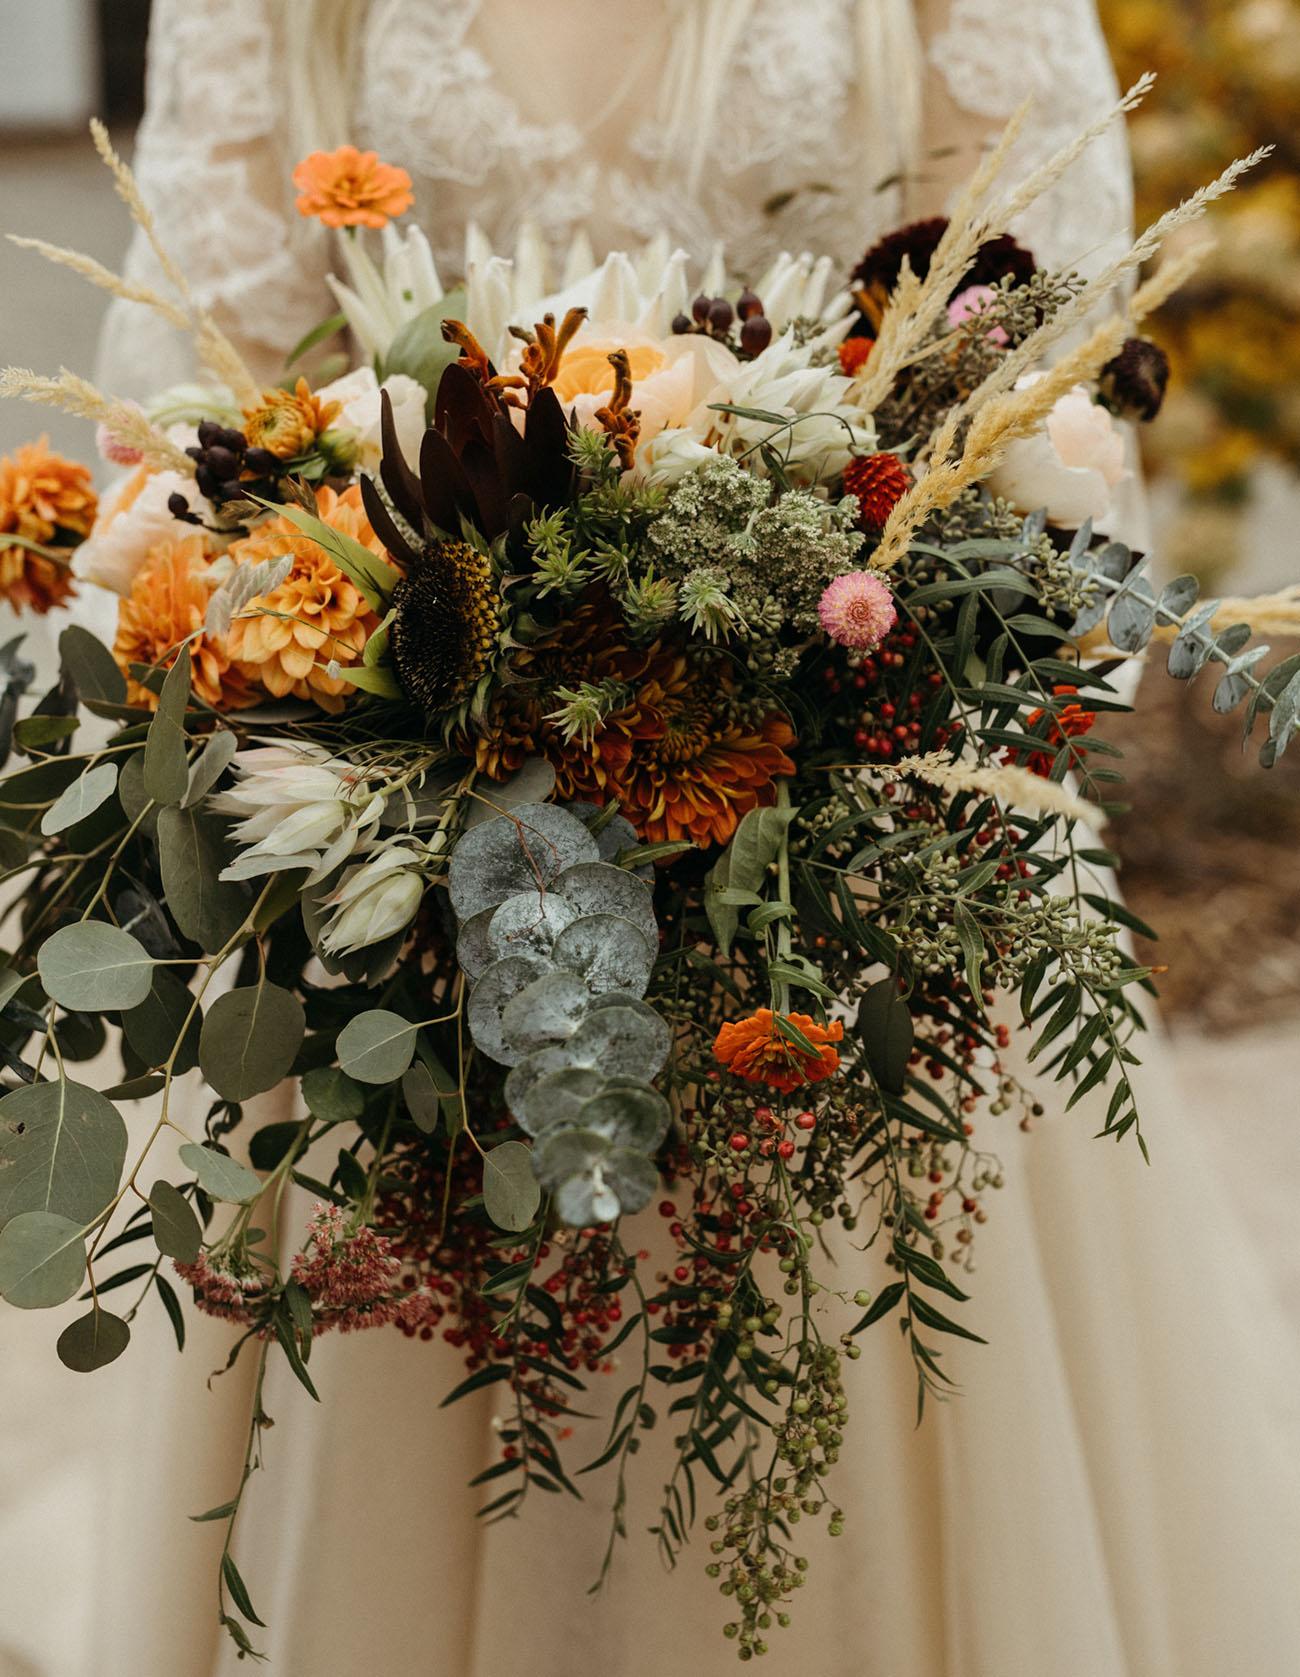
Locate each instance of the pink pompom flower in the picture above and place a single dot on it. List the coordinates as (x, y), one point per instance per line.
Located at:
(112, 449)
(969, 305)
(857, 610)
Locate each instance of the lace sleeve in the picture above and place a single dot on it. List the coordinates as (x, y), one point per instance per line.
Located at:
(983, 58)
(212, 158)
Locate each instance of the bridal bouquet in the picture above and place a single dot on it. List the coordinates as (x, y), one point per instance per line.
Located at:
(619, 749)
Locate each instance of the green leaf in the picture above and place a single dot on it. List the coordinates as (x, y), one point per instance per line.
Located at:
(92, 667)
(31, 732)
(381, 682)
(42, 1260)
(62, 1147)
(209, 766)
(754, 846)
(162, 1017)
(933, 1318)
(376, 1047)
(93, 967)
(250, 1039)
(885, 1026)
(220, 1176)
(332, 1096)
(93, 1341)
(176, 1229)
(420, 1093)
(172, 1305)
(324, 329)
(209, 910)
(238, 1591)
(511, 1193)
(419, 349)
(881, 1305)
(166, 767)
(972, 947)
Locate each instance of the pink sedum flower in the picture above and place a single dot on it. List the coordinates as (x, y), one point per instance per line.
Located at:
(857, 610)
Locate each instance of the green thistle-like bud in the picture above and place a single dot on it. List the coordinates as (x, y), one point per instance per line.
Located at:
(648, 603)
(583, 709)
(707, 607)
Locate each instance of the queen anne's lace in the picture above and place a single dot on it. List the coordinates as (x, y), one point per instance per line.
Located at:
(215, 150)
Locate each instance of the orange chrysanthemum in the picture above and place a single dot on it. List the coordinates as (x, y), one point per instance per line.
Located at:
(167, 603)
(285, 639)
(679, 764)
(47, 499)
(755, 1049)
(351, 188)
(287, 422)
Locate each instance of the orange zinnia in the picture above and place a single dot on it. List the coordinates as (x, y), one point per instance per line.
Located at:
(755, 1050)
(167, 603)
(351, 188)
(286, 639)
(47, 499)
(288, 422)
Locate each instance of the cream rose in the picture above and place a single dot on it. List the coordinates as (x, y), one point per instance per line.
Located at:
(133, 518)
(1069, 466)
(358, 393)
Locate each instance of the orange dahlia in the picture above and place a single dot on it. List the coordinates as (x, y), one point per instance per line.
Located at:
(284, 640)
(351, 188)
(47, 499)
(287, 423)
(167, 603)
(756, 1050)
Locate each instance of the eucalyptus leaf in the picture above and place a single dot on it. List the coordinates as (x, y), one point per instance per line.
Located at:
(526, 851)
(210, 764)
(250, 1039)
(607, 953)
(42, 1260)
(93, 1341)
(600, 888)
(62, 1148)
(166, 767)
(377, 1046)
(93, 967)
(92, 666)
(164, 1022)
(489, 997)
(332, 1096)
(511, 1193)
(81, 799)
(208, 909)
(220, 1177)
(176, 1229)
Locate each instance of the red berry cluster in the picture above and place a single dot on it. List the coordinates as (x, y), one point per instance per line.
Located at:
(886, 722)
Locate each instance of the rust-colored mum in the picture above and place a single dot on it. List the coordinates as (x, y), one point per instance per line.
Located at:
(879, 481)
(47, 499)
(680, 764)
(287, 423)
(351, 188)
(854, 353)
(285, 639)
(756, 1050)
(168, 600)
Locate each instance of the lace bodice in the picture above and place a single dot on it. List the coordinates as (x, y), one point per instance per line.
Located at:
(504, 113)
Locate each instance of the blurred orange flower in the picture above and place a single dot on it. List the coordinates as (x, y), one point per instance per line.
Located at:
(755, 1049)
(167, 603)
(320, 616)
(47, 499)
(351, 188)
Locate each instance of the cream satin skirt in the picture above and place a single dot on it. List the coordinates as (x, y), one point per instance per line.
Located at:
(1114, 1493)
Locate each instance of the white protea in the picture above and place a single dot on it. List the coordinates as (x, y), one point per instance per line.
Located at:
(641, 291)
(381, 299)
(788, 379)
(300, 808)
(374, 900)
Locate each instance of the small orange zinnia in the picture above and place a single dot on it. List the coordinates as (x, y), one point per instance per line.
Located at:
(47, 499)
(286, 639)
(288, 422)
(755, 1049)
(351, 188)
(167, 603)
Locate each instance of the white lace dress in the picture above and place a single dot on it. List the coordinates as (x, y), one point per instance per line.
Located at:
(1110, 1495)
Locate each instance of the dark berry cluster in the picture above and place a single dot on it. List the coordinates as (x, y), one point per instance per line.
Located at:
(715, 317)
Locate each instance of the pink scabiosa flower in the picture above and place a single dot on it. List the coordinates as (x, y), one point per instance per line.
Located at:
(970, 304)
(857, 610)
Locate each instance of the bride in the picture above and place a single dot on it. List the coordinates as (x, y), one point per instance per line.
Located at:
(1110, 1495)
